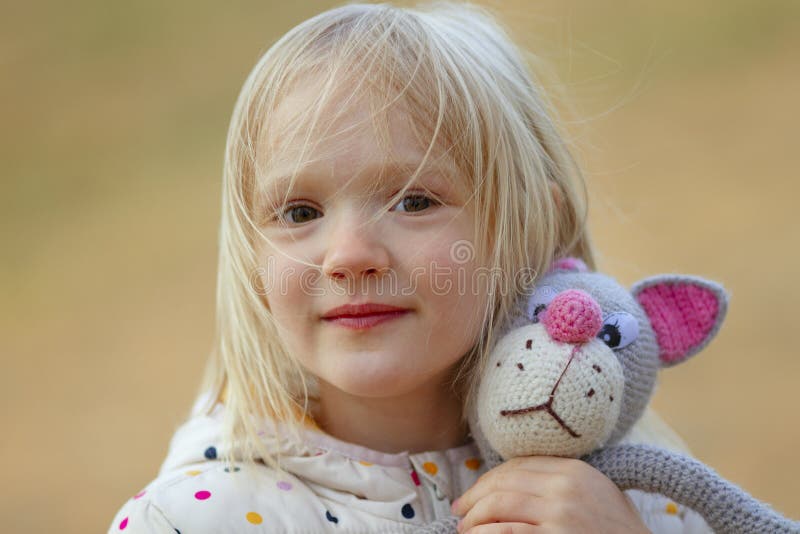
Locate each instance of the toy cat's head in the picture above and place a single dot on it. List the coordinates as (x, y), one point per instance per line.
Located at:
(580, 370)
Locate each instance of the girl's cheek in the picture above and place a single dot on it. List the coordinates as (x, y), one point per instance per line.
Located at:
(444, 252)
(277, 279)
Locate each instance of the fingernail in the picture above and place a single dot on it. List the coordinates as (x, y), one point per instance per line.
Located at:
(458, 525)
(454, 506)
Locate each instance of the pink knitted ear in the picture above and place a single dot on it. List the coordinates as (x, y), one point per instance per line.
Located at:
(569, 264)
(684, 312)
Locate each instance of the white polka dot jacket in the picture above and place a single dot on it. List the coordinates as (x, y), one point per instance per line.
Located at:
(331, 486)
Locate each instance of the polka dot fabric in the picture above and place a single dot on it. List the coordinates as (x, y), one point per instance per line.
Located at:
(326, 486)
(194, 499)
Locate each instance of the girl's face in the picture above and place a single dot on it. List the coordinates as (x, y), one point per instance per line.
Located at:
(418, 258)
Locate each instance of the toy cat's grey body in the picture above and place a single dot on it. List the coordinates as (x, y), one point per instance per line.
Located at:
(575, 370)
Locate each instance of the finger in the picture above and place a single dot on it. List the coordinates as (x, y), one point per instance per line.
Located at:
(505, 528)
(528, 474)
(541, 464)
(519, 481)
(536, 464)
(503, 506)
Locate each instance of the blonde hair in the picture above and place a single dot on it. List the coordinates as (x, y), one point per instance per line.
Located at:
(469, 93)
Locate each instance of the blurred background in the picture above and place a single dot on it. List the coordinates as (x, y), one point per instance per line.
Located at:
(114, 116)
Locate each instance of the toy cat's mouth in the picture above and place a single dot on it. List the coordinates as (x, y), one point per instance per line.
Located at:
(548, 406)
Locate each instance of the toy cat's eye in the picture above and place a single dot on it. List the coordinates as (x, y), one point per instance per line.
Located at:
(619, 330)
(539, 301)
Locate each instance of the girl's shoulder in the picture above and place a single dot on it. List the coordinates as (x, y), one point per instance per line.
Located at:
(322, 483)
(209, 497)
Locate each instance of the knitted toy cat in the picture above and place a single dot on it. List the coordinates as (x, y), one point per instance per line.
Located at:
(576, 368)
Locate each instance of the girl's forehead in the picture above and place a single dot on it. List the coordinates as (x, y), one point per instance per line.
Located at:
(350, 134)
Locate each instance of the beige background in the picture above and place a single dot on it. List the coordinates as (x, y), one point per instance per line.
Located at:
(113, 126)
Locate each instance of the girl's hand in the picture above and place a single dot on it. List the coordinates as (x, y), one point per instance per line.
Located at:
(537, 494)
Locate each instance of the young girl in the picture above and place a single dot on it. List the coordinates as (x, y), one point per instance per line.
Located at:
(388, 171)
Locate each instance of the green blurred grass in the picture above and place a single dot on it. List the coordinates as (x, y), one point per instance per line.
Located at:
(114, 120)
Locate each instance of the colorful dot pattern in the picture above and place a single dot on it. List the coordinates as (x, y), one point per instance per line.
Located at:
(473, 464)
(255, 518)
(334, 517)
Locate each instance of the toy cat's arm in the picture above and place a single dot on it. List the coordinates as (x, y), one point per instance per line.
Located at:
(725, 507)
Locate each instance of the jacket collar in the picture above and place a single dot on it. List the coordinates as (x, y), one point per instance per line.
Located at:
(324, 460)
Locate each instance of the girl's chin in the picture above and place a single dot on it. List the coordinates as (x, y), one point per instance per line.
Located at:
(373, 381)
(380, 386)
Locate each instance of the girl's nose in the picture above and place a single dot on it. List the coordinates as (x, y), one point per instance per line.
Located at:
(573, 316)
(354, 249)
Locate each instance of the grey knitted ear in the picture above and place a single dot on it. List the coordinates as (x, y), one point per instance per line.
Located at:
(684, 311)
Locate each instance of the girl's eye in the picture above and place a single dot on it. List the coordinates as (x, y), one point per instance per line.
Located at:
(415, 202)
(299, 214)
(619, 330)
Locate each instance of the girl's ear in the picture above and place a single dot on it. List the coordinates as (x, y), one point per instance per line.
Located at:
(685, 313)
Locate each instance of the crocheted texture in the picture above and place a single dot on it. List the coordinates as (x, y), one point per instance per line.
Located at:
(551, 388)
(569, 264)
(442, 526)
(681, 315)
(725, 507)
(573, 316)
(567, 396)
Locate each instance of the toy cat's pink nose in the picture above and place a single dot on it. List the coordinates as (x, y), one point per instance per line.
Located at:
(573, 316)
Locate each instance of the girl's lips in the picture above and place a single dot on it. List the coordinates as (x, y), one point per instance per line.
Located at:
(365, 308)
(364, 321)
